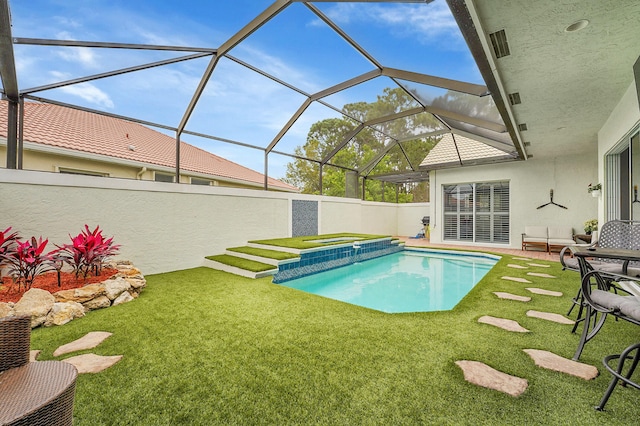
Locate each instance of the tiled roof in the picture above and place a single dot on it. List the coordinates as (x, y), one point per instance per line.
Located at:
(456, 150)
(99, 134)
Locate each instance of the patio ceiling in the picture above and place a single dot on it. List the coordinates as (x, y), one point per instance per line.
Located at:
(471, 110)
(567, 82)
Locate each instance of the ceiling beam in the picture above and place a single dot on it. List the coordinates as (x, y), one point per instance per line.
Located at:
(108, 45)
(245, 32)
(444, 83)
(468, 29)
(7, 59)
(113, 73)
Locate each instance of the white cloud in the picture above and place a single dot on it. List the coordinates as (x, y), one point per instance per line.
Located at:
(403, 20)
(89, 93)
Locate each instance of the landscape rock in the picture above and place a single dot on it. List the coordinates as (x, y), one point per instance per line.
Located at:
(63, 312)
(137, 282)
(97, 303)
(61, 307)
(115, 287)
(6, 309)
(81, 294)
(36, 303)
(123, 298)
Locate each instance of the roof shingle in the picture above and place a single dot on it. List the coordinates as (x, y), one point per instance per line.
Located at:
(84, 131)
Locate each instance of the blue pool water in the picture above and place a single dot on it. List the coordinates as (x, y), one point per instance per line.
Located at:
(408, 281)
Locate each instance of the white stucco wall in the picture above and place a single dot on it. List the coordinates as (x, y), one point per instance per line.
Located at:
(529, 185)
(163, 226)
(623, 119)
(410, 218)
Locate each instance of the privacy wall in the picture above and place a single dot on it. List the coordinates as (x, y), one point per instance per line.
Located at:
(164, 227)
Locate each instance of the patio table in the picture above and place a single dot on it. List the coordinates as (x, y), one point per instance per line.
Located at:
(583, 254)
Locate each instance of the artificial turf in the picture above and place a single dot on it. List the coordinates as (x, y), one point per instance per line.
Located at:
(269, 254)
(307, 242)
(204, 347)
(239, 262)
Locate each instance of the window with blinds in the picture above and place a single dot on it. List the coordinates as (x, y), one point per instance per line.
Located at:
(477, 212)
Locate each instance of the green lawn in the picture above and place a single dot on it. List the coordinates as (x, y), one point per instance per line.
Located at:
(242, 263)
(205, 347)
(306, 242)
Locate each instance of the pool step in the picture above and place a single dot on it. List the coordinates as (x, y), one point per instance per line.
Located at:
(271, 257)
(240, 266)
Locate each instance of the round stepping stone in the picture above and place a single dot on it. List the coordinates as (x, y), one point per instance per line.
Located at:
(481, 374)
(88, 341)
(551, 361)
(511, 265)
(503, 323)
(538, 274)
(92, 363)
(509, 296)
(539, 265)
(544, 292)
(516, 279)
(550, 317)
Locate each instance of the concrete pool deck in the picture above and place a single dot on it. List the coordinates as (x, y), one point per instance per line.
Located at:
(424, 242)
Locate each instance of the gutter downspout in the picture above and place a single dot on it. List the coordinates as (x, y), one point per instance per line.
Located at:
(140, 173)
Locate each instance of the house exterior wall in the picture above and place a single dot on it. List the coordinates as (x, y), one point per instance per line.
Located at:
(53, 160)
(529, 185)
(624, 117)
(165, 226)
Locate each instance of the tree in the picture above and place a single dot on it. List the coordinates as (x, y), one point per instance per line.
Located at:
(364, 147)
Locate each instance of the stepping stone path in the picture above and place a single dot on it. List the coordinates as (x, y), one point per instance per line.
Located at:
(551, 361)
(482, 375)
(544, 292)
(538, 274)
(511, 265)
(516, 279)
(521, 258)
(88, 341)
(539, 265)
(509, 296)
(550, 317)
(505, 324)
(87, 363)
(92, 363)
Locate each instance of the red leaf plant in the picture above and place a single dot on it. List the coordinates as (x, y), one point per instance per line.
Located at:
(87, 251)
(27, 259)
(7, 243)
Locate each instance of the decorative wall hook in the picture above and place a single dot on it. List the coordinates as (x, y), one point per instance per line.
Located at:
(551, 202)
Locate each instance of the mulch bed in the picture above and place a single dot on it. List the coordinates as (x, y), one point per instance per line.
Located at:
(49, 282)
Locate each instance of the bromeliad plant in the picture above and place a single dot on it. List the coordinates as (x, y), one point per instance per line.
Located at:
(87, 251)
(26, 260)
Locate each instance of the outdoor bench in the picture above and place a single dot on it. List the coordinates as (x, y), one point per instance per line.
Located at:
(547, 237)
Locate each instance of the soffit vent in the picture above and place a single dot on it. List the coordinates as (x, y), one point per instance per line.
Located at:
(527, 144)
(500, 45)
(514, 98)
(522, 127)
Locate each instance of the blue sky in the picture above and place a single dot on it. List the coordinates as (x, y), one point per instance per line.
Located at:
(238, 104)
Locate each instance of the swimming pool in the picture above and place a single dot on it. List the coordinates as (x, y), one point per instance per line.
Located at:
(408, 281)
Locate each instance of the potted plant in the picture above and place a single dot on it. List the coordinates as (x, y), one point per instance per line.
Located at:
(590, 226)
(594, 190)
